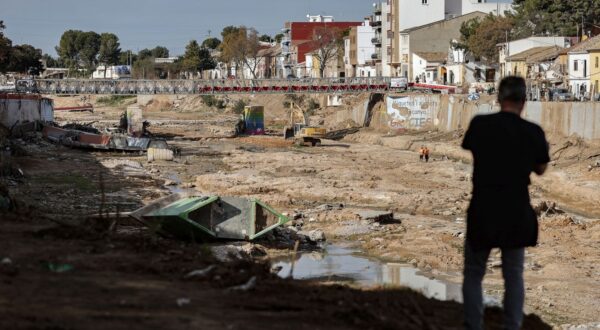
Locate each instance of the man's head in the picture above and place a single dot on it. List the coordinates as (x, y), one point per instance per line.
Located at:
(512, 94)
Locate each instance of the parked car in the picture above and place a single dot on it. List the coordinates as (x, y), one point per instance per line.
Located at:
(561, 95)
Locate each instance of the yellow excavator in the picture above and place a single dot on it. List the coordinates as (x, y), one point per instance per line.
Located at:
(300, 129)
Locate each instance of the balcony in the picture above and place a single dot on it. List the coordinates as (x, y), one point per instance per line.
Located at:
(376, 56)
(376, 24)
(377, 9)
(376, 41)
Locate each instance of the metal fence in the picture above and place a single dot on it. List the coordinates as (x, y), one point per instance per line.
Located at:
(205, 87)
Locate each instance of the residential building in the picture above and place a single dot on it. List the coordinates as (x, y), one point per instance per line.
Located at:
(595, 69)
(533, 62)
(582, 57)
(463, 69)
(362, 53)
(298, 36)
(455, 8)
(392, 17)
(435, 37)
(427, 67)
(112, 72)
(505, 50)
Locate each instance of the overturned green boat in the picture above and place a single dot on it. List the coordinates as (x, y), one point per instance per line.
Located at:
(209, 218)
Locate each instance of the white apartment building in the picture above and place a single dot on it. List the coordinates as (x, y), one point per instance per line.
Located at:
(456, 8)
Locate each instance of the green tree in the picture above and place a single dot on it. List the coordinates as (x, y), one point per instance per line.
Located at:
(556, 17)
(127, 57)
(229, 30)
(77, 48)
(89, 46)
(211, 43)
(265, 38)
(5, 48)
(481, 37)
(68, 48)
(25, 58)
(279, 37)
(197, 58)
(160, 52)
(51, 62)
(109, 51)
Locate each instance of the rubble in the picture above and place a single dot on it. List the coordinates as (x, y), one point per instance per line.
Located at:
(378, 216)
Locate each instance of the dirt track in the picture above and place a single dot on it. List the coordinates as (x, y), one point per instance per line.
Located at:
(371, 170)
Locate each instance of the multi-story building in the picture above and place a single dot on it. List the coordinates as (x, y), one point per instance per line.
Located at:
(299, 37)
(392, 17)
(584, 60)
(362, 54)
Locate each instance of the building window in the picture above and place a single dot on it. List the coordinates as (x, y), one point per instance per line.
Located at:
(596, 61)
(424, 2)
(575, 65)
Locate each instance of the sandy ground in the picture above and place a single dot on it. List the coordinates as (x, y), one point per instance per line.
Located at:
(327, 186)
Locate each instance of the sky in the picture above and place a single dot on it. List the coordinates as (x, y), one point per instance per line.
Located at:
(171, 23)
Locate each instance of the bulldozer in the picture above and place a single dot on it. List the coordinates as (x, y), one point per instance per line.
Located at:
(300, 129)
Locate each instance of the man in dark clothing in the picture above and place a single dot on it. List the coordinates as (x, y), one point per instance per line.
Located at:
(506, 149)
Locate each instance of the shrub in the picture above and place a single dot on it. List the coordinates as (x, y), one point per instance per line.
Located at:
(212, 101)
(238, 106)
(114, 100)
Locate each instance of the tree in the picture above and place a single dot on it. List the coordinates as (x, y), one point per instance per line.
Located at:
(78, 48)
(242, 48)
(5, 48)
(481, 37)
(89, 46)
(467, 30)
(541, 17)
(127, 57)
(160, 52)
(68, 49)
(229, 30)
(197, 58)
(50, 61)
(25, 58)
(327, 44)
(211, 43)
(109, 51)
(265, 38)
(279, 37)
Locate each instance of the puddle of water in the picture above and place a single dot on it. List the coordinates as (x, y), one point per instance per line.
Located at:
(343, 264)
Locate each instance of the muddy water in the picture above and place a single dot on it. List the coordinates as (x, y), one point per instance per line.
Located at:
(345, 264)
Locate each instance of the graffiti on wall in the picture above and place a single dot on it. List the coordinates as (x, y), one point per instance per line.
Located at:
(410, 111)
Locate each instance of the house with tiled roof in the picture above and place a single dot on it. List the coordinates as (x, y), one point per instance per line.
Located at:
(582, 61)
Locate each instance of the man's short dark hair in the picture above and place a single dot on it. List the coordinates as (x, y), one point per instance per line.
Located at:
(512, 89)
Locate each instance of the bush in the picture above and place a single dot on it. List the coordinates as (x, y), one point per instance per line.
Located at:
(312, 106)
(213, 101)
(238, 106)
(114, 100)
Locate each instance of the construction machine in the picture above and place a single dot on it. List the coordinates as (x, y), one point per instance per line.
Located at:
(300, 129)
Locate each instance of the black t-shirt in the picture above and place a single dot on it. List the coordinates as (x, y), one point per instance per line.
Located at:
(505, 150)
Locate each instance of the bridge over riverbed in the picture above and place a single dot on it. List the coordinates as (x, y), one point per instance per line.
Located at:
(206, 87)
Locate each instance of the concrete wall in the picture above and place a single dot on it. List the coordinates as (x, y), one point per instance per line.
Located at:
(449, 112)
(21, 108)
